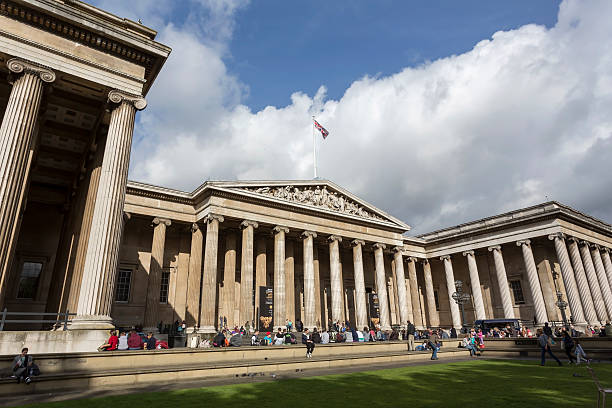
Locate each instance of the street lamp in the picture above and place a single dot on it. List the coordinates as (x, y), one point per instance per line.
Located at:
(561, 304)
(460, 298)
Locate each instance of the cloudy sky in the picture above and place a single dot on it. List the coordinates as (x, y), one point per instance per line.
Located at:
(438, 115)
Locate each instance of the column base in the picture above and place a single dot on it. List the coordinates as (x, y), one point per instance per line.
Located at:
(83, 322)
(207, 330)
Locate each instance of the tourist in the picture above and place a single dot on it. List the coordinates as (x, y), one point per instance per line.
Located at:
(568, 345)
(433, 343)
(410, 329)
(299, 326)
(453, 333)
(279, 339)
(255, 338)
(324, 337)
(23, 367)
(372, 334)
(307, 340)
(123, 341)
(580, 354)
(360, 337)
(111, 343)
(289, 325)
(267, 340)
(547, 330)
(366, 334)
(151, 342)
(236, 340)
(545, 341)
(316, 336)
(134, 341)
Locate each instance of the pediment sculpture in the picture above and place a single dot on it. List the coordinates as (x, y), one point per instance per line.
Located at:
(316, 196)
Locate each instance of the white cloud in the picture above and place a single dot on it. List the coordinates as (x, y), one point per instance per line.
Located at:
(523, 115)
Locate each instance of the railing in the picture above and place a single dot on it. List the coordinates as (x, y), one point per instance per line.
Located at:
(61, 318)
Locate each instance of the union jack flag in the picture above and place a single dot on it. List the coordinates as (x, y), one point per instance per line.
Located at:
(321, 129)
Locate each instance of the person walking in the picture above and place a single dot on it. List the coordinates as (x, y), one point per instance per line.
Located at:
(307, 340)
(544, 341)
(410, 329)
(568, 346)
(433, 343)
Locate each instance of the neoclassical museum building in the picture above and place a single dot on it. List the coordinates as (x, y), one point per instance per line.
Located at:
(77, 236)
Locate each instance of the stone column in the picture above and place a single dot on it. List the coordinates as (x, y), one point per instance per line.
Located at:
(415, 298)
(475, 281)
(309, 280)
(246, 271)
(583, 285)
(502, 281)
(227, 291)
(450, 286)
(569, 279)
(334, 277)
(361, 313)
(195, 277)
(434, 315)
(605, 256)
(400, 280)
(279, 276)
(16, 141)
(601, 276)
(290, 281)
(534, 281)
(596, 290)
(209, 281)
(381, 287)
(95, 295)
(261, 278)
(151, 316)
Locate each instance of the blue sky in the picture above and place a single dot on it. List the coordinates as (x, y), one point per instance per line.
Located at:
(280, 47)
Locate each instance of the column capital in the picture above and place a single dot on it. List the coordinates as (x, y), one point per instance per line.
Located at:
(280, 228)
(573, 239)
(413, 259)
(248, 223)
(605, 249)
(470, 252)
(378, 245)
(211, 217)
(398, 248)
(585, 243)
(445, 258)
(194, 227)
(308, 234)
(21, 66)
(494, 248)
(117, 97)
(425, 261)
(127, 216)
(356, 242)
(165, 221)
(332, 238)
(556, 235)
(522, 242)
(594, 246)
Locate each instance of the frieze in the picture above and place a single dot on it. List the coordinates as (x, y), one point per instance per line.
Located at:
(316, 196)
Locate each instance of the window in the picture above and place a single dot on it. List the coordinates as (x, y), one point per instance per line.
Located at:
(124, 279)
(517, 291)
(437, 300)
(163, 288)
(28, 281)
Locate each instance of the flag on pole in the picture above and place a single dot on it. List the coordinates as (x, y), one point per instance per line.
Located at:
(321, 129)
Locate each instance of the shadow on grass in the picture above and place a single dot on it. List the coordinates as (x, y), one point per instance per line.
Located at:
(493, 383)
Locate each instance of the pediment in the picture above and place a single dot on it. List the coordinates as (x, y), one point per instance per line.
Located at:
(320, 195)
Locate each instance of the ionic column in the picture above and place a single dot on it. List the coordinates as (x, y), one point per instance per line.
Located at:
(227, 292)
(601, 276)
(209, 280)
(16, 140)
(246, 271)
(334, 277)
(279, 275)
(450, 286)
(434, 315)
(569, 279)
(151, 316)
(309, 280)
(361, 313)
(415, 299)
(95, 295)
(583, 284)
(534, 281)
(290, 281)
(502, 281)
(589, 268)
(381, 287)
(475, 281)
(602, 298)
(195, 277)
(605, 255)
(400, 280)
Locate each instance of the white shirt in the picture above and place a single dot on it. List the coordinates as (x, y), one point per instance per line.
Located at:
(324, 337)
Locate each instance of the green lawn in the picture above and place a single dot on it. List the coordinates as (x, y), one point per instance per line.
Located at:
(490, 383)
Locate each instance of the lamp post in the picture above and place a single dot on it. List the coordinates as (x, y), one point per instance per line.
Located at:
(460, 298)
(561, 304)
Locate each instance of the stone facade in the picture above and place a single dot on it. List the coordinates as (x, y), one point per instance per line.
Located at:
(76, 236)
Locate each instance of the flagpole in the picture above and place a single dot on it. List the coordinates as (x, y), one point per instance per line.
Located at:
(314, 148)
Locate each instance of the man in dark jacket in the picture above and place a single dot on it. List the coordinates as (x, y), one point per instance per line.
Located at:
(410, 329)
(433, 343)
(150, 342)
(307, 340)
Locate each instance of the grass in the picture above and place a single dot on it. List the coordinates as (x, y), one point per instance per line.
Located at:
(490, 383)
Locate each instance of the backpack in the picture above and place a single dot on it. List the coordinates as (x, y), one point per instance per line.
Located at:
(263, 342)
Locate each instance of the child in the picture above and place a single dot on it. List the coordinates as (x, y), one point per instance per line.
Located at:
(580, 353)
